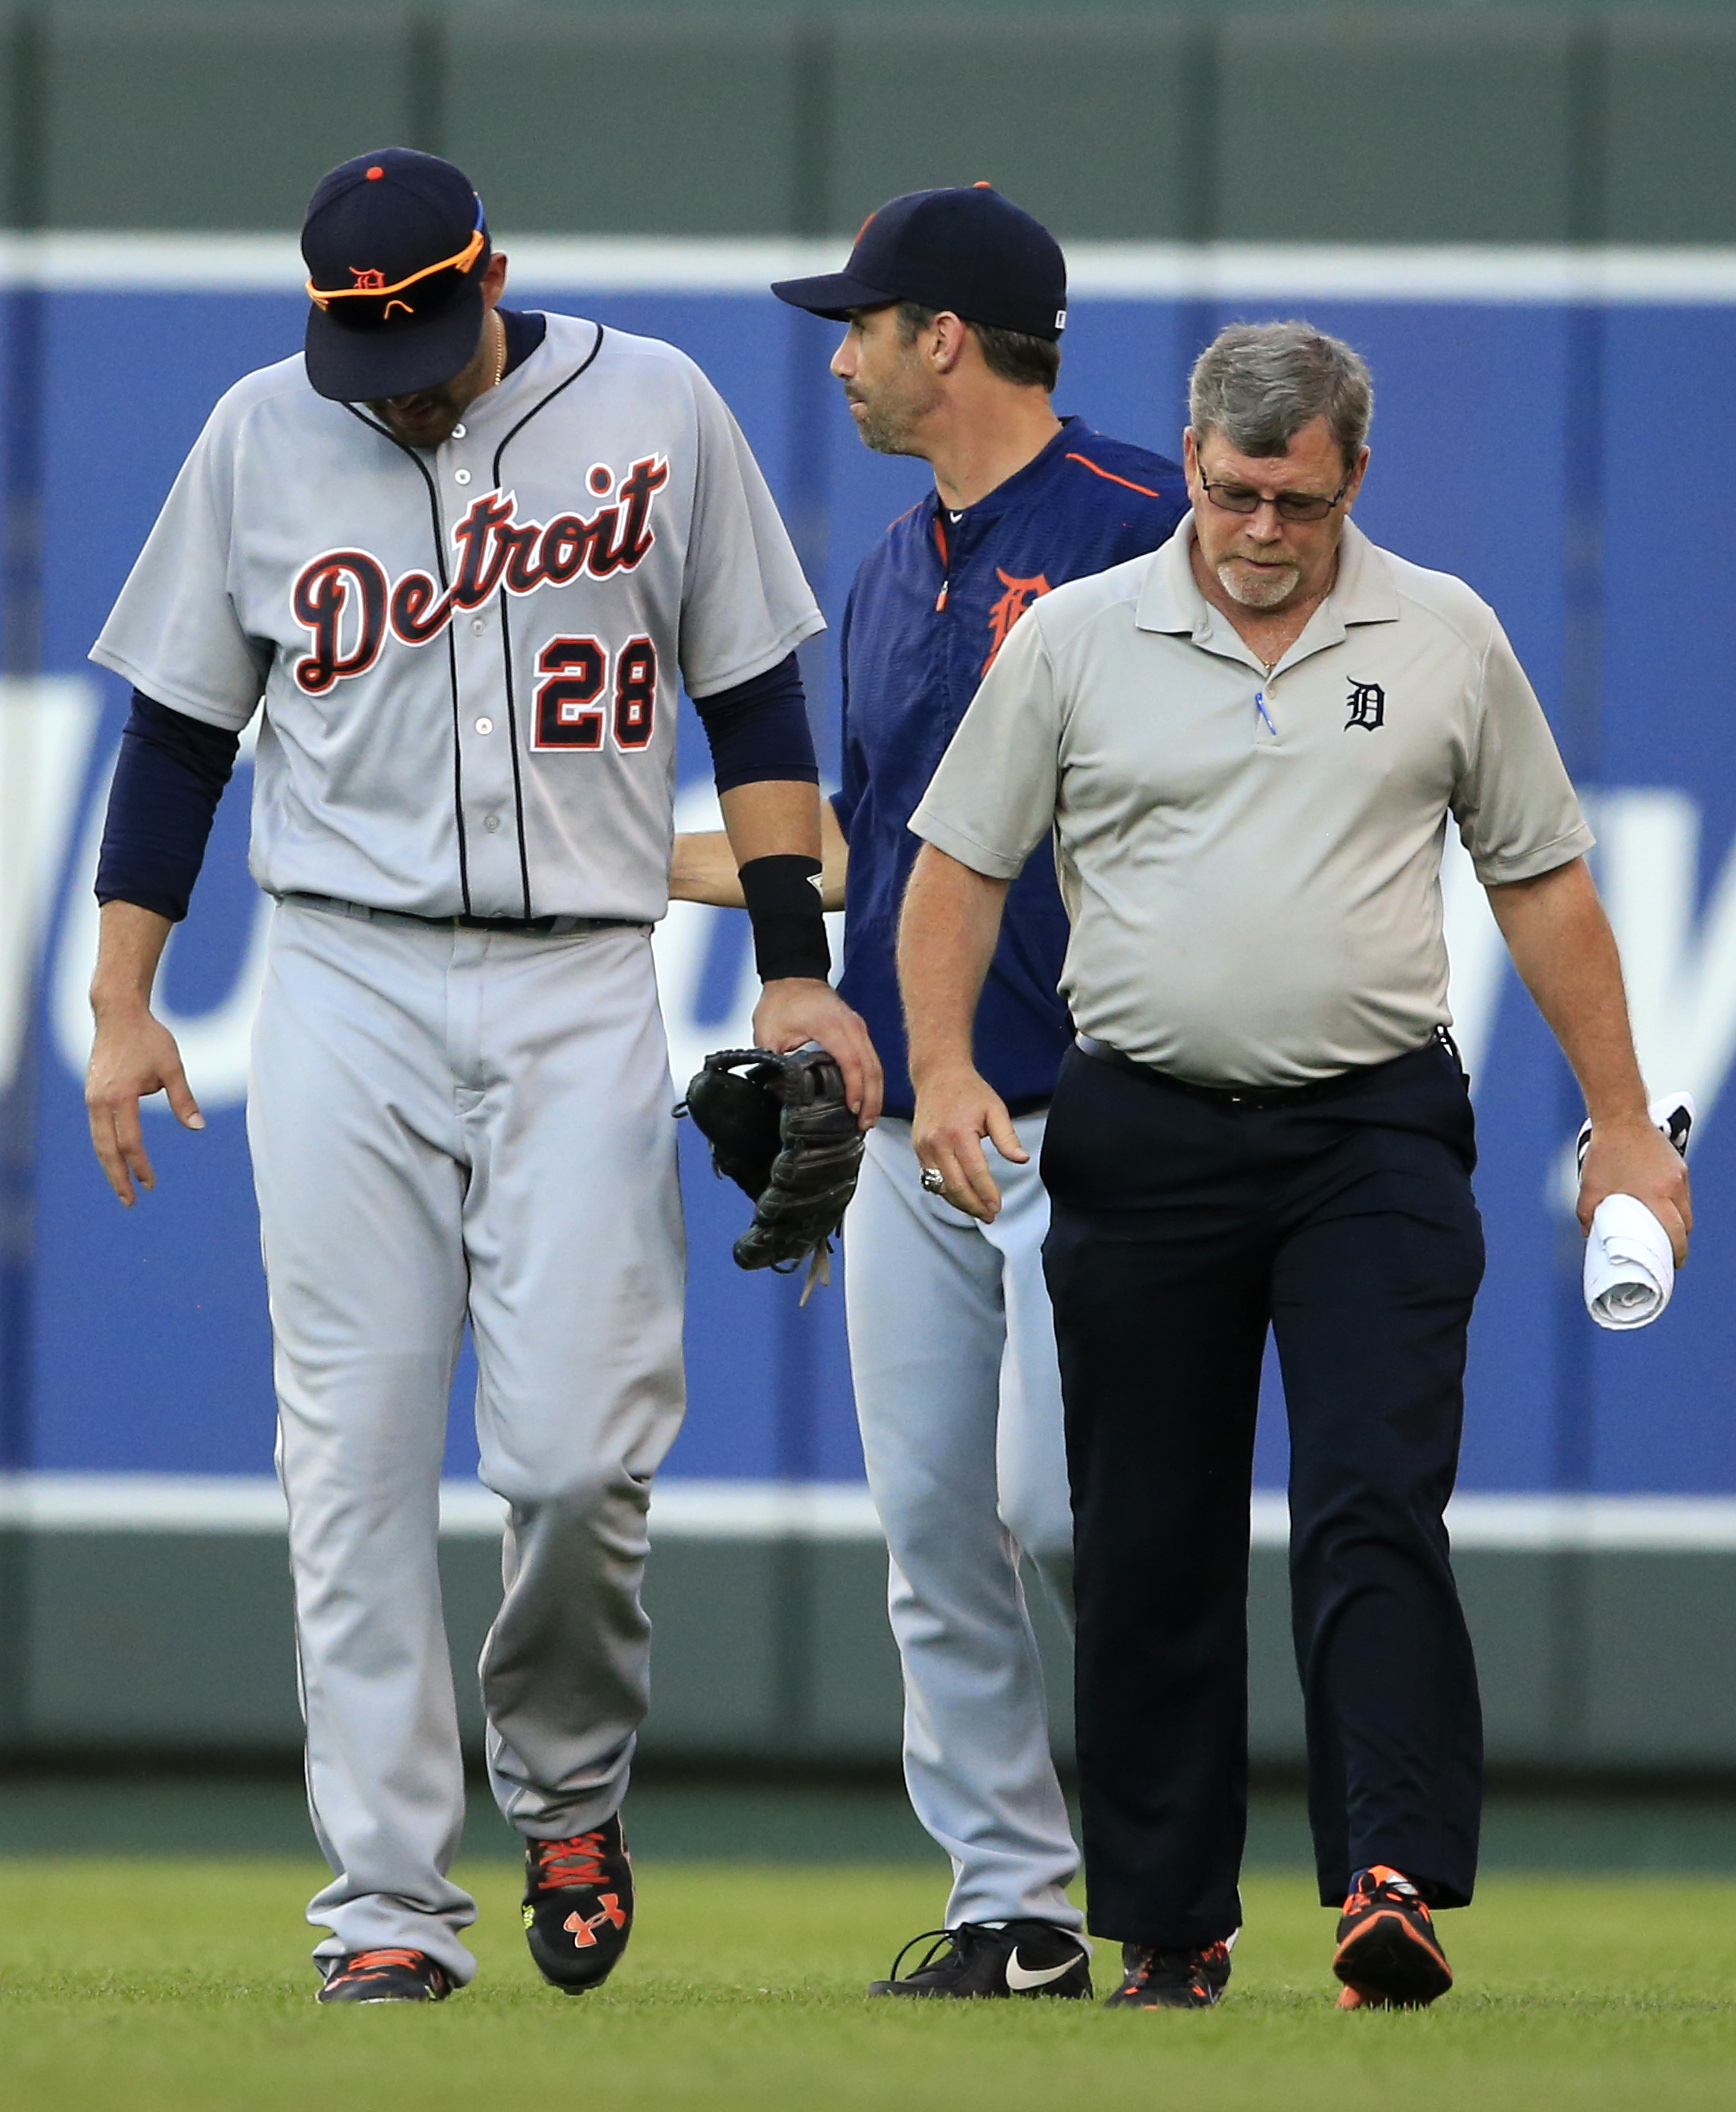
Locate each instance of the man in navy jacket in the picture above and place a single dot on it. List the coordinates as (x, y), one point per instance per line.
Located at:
(954, 302)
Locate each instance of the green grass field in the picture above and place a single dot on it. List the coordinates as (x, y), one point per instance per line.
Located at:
(163, 1986)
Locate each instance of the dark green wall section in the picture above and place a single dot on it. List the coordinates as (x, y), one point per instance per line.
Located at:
(1287, 123)
(766, 1652)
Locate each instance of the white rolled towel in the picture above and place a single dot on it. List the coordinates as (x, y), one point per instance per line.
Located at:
(1629, 1268)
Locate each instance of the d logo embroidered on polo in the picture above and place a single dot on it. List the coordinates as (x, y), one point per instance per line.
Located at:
(1367, 706)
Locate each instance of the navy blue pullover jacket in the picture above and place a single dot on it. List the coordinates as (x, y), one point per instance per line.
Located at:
(931, 606)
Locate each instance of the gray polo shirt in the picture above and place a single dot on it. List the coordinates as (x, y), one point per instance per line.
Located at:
(1252, 863)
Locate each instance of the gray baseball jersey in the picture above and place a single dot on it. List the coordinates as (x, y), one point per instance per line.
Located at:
(468, 656)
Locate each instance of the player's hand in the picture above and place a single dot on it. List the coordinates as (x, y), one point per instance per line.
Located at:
(134, 1055)
(1633, 1158)
(954, 1112)
(799, 1008)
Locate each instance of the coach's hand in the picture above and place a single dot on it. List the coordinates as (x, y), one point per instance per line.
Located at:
(955, 1110)
(798, 1008)
(1633, 1158)
(134, 1055)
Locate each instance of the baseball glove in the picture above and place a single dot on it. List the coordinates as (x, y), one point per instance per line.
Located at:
(780, 1128)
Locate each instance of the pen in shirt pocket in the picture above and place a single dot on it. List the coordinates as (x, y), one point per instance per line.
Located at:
(1260, 707)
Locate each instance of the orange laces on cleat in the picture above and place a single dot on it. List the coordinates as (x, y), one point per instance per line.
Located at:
(367, 1964)
(1368, 1884)
(1213, 1954)
(578, 1861)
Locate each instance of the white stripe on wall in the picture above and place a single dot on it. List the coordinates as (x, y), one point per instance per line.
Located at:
(1226, 271)
(826, 1511)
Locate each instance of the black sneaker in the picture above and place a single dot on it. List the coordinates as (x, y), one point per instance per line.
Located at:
(1027, 1958)
(386, 1976)
(578, 1905)
(1388, 1955)
(1154, 1979)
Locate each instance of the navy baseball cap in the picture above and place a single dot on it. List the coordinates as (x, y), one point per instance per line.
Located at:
(396, 245)
(968, 250)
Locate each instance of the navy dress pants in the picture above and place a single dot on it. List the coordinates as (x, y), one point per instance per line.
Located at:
(1182, 1228)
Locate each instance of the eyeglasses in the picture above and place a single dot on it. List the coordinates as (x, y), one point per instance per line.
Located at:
(1291, 505)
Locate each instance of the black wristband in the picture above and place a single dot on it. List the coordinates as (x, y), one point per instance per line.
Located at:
(788, 917)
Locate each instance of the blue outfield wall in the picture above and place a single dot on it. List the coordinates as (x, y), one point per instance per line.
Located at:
(1508, 434)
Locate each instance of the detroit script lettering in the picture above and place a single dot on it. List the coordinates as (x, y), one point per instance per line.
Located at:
(494, 551)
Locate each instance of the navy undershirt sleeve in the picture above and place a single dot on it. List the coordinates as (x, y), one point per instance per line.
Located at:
(168, 780)
(759, 730)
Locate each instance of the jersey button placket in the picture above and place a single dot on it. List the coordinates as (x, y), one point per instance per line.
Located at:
(496, 884)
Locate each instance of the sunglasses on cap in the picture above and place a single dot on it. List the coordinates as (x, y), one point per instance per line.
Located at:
(371, 285)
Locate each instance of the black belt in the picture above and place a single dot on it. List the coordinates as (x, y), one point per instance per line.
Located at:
(536, 927)
(1261, 1096)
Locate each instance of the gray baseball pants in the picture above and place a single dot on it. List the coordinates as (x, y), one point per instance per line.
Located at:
(952, 1353)
(453, 1125)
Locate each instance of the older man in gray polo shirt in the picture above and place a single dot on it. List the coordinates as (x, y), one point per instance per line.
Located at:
(1247, 747)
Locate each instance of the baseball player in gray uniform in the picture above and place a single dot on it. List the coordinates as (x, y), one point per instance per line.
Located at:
(458, 558)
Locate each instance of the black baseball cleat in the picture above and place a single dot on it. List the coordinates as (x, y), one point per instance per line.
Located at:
(974, 1961)
(1158, 1979)
(578, 1905)
(1388, 1955)
(386, 1976)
